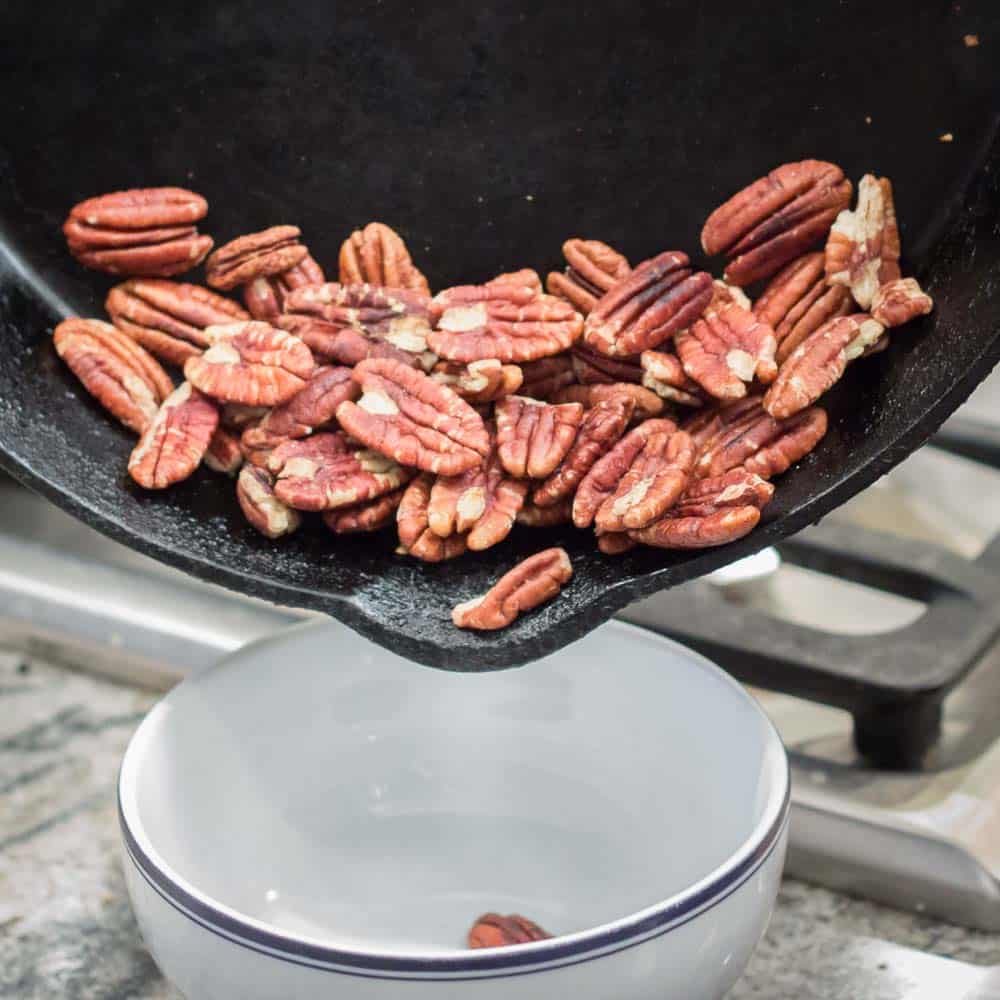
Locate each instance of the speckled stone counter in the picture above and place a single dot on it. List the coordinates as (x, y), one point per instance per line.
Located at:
(66, 931)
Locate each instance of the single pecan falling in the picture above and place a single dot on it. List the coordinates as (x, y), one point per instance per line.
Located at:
(726, 350)
(818, 363)
(412, 522)
(419, 422)
(602, 426)
(711, 512)
(494, 931)
(265, 295)
(224, 453)
(250, 363)
(126, 380)
(591, 367)
(664, 374)
(312, 407)
(645, 404)
(863, 249)
(541, 379)
(659, 298)
(479, 381)
(377, 255)
(593, 268)
(533, 437)
(371, 515)
(531, 582)
(256, 255)
(176, 440)
(897, 302)
(776, 219)
(255, 493)
(145, 231)
(169, 318)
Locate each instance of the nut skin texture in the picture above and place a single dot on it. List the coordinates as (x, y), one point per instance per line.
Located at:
(645, 404)
(173, 445)
(898, 302)
(664, 374)
(545, 377)
(600, 483)
(533, 437)
(505, 320)
(324, 472)
(819, 362)
(756, 441)
(250, 363)
(775, 219)
(530, 583)
(532, 516)
(479, 382)
(147, 232)
(494, 931)
(377, 255)
(526, 276)
(862, 251)
(125, 379)
(257, 255)
(602, 427)
(265, 296)
(711, 512)
(314, 406)
(255, 493)
(659, 298)
(372, 515)
(592, 368)
(413, 419)
(728, 295)
(415, 537)
(224, 453)
(349, 324)
(169, 318)
(593, 268)
(724, 351)
(652, 484)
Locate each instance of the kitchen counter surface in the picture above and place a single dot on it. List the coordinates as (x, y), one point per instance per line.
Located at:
(66, 930)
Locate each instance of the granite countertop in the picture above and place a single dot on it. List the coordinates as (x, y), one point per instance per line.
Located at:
(66, 930)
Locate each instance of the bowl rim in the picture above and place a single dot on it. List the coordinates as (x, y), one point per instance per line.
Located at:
(451, 964)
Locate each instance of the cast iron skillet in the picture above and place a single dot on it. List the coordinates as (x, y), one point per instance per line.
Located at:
(486, 134)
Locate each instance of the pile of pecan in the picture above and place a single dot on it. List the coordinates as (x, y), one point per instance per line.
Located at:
(652, 403)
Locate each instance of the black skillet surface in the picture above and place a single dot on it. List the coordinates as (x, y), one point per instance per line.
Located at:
(486, 134)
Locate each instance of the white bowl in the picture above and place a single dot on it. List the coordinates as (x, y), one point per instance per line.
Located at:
(317, 817)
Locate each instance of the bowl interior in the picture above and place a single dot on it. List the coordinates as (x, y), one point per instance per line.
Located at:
(323, 786)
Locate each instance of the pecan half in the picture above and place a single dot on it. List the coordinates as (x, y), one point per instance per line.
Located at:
(818, 363)
(601, 482)
(377, 255)
(145, 231)
(897, 302)
(726, 350)
(250, 363)
(531, 582)
(663, 374)
(863, 249)
(757, 442)
(479, 381)
(224, 453)
(372, 515)
(265, 295)
(312, 407)
(776, 219)
(255, 493)
(256, 255)
(324, 472)
(546, 376)
(494, 931)
(506, 320)
(114, 369)
(646, 404)
(176, 440)
(660, 297)
(415, 536)
(591, 368)
(798, 301)
(408, 416)
(602, 426)
(593, 269)
(533, 516)
(533, 437)
(351, 323)
(651, 485)
(708, 422)
(711, 512)
(481, 504)
(169, 318)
